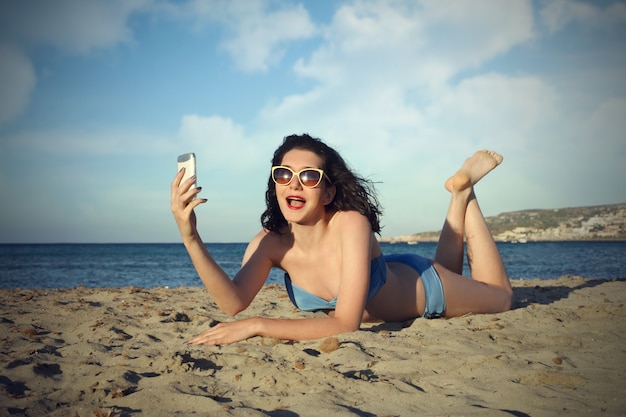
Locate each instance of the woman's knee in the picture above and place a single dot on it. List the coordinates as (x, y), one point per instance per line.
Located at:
(506, 299)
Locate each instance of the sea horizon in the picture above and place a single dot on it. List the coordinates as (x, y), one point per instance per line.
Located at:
(67, 265)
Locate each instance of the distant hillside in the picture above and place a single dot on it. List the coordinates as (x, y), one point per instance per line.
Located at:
(606, 222)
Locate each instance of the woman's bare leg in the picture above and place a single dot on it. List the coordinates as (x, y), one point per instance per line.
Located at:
(465, 220)
(461, 186)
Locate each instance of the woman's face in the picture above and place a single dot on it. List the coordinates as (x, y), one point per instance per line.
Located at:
(299, 204)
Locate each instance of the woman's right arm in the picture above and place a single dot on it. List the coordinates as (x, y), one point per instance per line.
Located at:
(229, 297)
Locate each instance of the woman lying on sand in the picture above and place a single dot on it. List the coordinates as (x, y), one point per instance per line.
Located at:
(319, 227)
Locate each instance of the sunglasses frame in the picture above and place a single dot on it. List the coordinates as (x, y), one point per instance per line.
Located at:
(295, 174)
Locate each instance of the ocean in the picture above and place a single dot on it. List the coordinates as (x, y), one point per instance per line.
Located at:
(154, 265)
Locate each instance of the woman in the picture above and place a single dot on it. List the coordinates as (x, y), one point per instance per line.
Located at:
(320, 227)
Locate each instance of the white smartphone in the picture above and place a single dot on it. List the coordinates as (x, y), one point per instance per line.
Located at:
(187, 161)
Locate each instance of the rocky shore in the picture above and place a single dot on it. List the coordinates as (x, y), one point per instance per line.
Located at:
(606, 222)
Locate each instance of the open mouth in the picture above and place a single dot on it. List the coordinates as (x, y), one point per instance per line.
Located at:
(295, 202)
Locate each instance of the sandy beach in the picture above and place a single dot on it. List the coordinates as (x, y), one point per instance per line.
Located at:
(123, 352)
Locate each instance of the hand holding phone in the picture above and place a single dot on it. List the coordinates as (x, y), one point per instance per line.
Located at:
(187, 161)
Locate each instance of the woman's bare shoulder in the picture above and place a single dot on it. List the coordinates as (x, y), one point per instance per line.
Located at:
(268, 244)
(265, 239)
(349, 219)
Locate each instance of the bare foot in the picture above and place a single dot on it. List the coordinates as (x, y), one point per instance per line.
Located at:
(474, 168)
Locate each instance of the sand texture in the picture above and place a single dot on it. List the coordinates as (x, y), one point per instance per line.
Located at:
(121, 352)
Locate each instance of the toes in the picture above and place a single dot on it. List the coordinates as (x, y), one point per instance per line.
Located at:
(496, 156)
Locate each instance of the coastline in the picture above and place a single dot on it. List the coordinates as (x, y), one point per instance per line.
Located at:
(122, 351)
(570, 224)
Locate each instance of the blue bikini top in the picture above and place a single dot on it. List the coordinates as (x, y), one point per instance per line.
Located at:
(306, 301)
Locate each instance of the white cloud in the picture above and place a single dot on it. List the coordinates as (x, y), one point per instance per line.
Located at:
(260, 40)
(217, 140)
(493, 108)
(409, 42)
(377, 51)
(257, 32)
(598, 138)
(17, 82)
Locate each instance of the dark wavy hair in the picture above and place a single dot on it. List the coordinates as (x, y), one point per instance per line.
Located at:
(353, 192)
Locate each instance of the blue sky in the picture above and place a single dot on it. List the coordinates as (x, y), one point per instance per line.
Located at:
(99, 97)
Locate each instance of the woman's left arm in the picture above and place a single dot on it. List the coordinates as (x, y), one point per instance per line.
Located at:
(287, 329)
(354, 233)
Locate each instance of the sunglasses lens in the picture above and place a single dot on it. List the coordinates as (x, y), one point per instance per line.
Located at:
(310, 178)
(282, 176)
